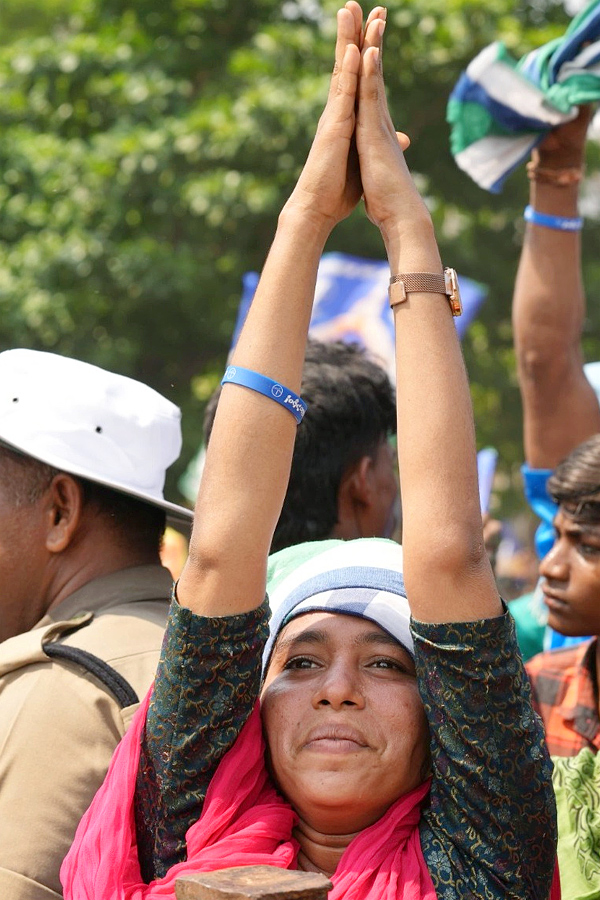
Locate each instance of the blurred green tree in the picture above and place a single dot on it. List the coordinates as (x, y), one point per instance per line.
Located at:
(145, 151)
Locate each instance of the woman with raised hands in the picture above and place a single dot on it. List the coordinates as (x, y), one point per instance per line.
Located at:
(400, 755)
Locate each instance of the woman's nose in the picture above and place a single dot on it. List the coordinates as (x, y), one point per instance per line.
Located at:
(340, 686)
(554, 565)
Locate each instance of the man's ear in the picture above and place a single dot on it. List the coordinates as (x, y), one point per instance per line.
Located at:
(355, 495)
(359, 478)
(64, 510)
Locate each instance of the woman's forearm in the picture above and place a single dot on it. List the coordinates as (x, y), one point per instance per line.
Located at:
(446, 568)
(251, 445)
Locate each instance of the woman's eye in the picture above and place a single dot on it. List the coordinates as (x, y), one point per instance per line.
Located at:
(386, 663)
(300, 662)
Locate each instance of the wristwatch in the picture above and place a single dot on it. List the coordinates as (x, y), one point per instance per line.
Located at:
(426, 283)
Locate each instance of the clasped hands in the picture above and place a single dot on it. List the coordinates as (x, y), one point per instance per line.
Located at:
(356, 151)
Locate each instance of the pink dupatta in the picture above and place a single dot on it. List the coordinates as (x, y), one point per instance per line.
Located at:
(244, 822)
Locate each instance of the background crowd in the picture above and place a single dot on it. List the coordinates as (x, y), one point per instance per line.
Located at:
(82, 498)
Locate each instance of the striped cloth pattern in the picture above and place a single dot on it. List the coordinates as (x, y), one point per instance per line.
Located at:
(501, 109)
(361, 578)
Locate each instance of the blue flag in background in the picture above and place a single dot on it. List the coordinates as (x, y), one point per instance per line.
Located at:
(351, 304)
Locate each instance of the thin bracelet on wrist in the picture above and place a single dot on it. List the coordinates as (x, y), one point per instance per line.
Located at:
(556, 223)
(564, 177)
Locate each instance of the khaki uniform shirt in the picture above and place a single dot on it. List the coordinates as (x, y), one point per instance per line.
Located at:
(59, 725)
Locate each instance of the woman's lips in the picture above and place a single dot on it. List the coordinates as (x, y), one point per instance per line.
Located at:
(335, 739)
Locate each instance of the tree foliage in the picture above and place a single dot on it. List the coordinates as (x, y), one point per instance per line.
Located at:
(147, 147)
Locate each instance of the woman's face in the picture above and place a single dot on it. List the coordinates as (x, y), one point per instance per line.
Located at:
(344, 721)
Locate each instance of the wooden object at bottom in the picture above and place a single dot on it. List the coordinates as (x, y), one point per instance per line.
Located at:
(253, 883)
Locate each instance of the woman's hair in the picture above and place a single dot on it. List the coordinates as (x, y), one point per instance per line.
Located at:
(575, 484)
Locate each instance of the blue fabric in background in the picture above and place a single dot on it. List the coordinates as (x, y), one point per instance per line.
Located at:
(351, 304)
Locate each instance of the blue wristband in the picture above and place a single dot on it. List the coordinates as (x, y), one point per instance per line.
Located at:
(558, 223)
(268, 387)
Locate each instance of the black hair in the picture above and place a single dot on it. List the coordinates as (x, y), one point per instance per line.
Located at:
(351, 410)
(140, 525)
(575, 484)
(23, 479)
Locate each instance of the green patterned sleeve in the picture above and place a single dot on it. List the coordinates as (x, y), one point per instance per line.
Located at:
(207, 682)
(489, 831)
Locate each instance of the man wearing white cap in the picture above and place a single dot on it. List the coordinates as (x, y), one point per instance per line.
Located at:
(83, 597)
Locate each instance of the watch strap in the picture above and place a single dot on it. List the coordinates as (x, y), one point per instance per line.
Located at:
(426, 283)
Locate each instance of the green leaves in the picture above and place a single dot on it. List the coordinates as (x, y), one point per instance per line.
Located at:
(146, 150)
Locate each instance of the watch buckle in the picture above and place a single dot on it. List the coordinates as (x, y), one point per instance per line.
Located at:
(453, 292)
(397, 292)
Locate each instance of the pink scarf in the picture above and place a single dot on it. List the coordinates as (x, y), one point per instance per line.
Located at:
(244, 822)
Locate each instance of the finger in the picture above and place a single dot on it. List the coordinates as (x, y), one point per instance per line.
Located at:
(374, 28)
(379, 12)
(339, 112)
(347, 84)
(348, 33)
(372, 99)
(354, 7)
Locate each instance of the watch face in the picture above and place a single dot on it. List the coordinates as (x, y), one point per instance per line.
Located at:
(453, 291)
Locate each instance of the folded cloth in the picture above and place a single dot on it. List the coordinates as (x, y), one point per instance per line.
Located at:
(501, 109)
(359, 578)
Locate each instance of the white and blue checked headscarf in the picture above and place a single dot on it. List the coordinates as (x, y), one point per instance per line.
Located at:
(359, 578)
(500, 109)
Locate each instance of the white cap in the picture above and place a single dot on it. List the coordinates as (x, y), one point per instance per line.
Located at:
(89, 422)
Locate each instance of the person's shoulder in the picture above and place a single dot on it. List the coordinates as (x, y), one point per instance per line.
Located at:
(59, 726)
(123, 629)
(26, 650)
(40, 694)
(558, 662)
(83, 658)
(127, 638)
(130, 609)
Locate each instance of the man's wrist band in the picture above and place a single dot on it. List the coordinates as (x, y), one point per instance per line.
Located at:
(558, 223)
(263, 385)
